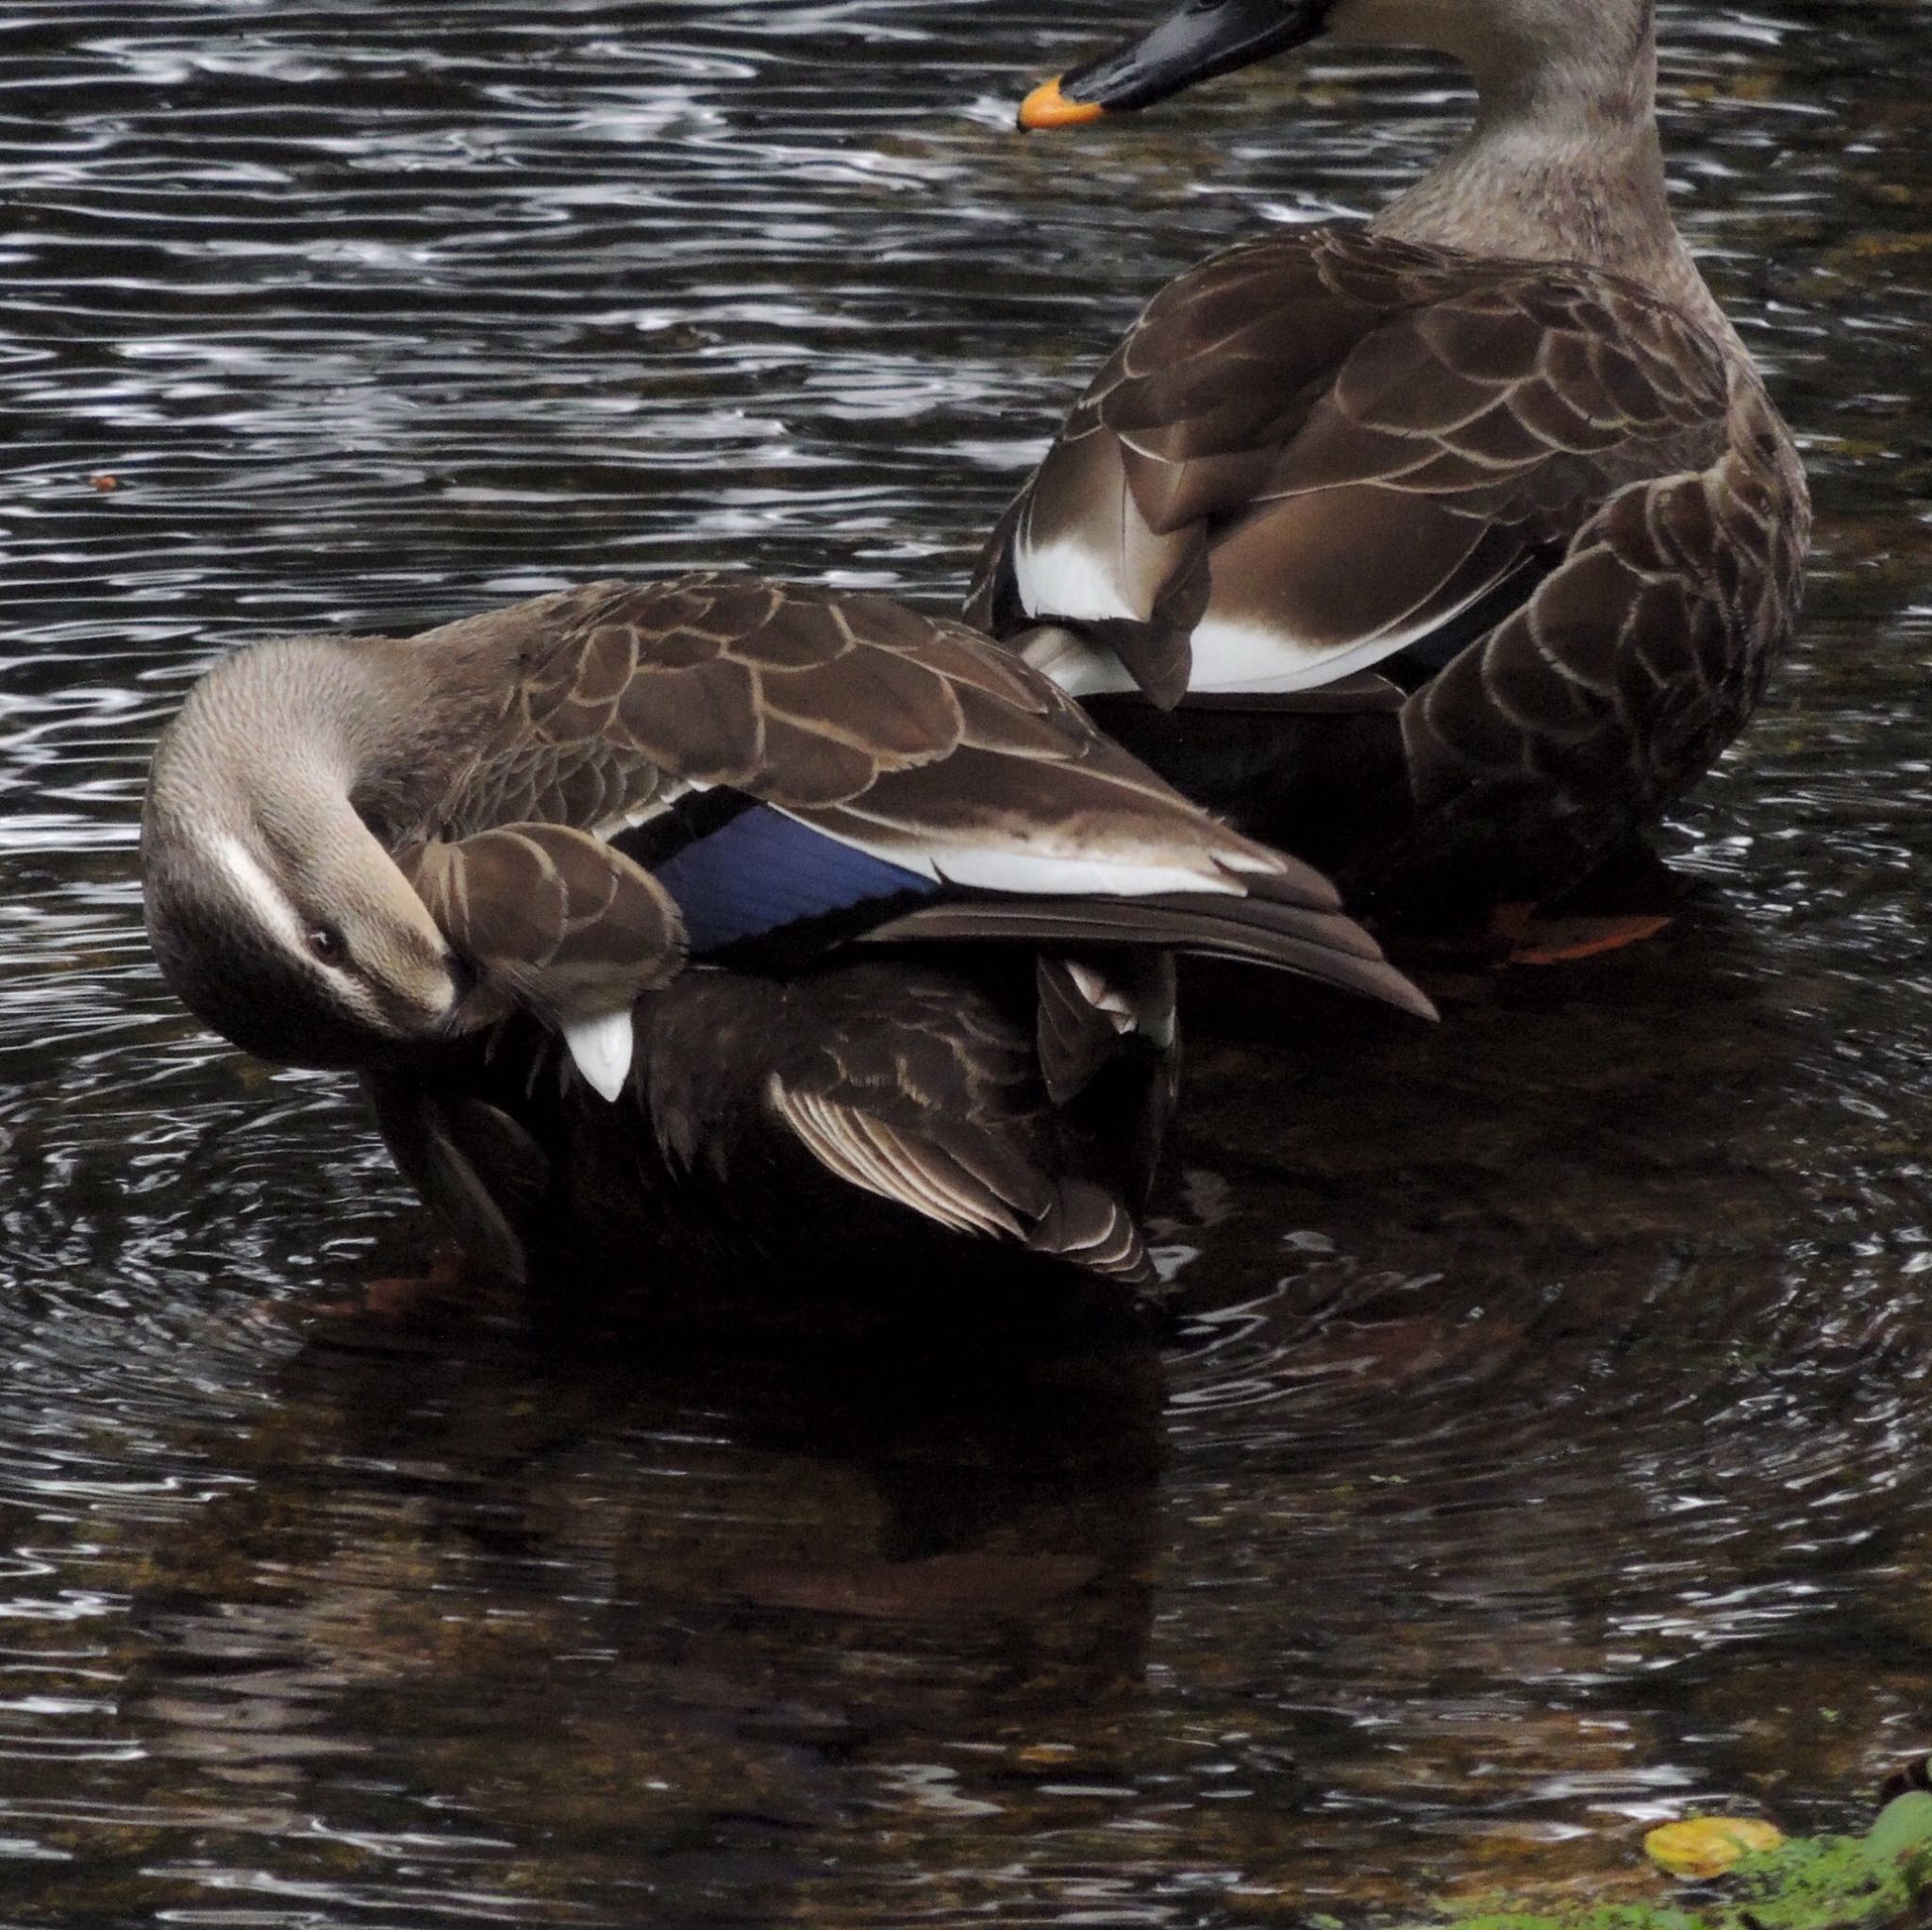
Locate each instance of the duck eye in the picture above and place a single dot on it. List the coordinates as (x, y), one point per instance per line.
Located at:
(327, 944)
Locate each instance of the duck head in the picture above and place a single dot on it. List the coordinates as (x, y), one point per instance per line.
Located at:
(1507, 46)
(277, 915)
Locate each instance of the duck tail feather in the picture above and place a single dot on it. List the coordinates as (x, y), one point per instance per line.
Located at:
(1321, 945)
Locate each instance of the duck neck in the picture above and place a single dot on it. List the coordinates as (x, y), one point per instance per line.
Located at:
(1563, 164)
(313, 732)
(254, 779)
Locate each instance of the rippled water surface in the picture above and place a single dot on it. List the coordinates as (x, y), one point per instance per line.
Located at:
(1545, 1444)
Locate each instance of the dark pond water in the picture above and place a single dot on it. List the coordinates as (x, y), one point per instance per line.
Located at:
(1545, 1445)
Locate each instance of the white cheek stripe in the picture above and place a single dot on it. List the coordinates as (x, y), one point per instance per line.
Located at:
(253, 881)
(277, 915)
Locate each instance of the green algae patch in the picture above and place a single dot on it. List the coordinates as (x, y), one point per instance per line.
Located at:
(1604, 1916)
(1875, 1882)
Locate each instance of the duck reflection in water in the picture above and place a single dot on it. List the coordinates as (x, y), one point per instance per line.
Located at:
(679, 1599)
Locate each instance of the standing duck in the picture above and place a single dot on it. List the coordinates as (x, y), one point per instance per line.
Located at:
(674, 909)
(1447, 549)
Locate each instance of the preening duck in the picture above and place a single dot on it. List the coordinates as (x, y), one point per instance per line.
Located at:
(666, 845)
(1447, 549)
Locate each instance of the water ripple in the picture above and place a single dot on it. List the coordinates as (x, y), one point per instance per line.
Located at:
(1544, 1446)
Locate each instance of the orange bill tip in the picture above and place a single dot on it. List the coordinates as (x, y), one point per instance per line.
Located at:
(1047, 106)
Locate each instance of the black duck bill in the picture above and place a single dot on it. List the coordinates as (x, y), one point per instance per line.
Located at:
(1197, 41)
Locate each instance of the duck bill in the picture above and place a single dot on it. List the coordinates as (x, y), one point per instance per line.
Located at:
(1197, 41)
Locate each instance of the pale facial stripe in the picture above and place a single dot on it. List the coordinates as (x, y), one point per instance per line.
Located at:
(251, 878)
(277, 915)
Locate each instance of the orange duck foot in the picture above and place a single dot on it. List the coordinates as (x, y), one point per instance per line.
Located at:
(1523, 935)
(1528, 940)
(397, 1300)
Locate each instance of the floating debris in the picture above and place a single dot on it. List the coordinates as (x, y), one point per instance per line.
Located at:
(1706, 1846)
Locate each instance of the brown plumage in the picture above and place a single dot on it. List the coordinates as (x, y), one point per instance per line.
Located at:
(560, 921)
(466, 862)
(869, 1119)
(1496, 461)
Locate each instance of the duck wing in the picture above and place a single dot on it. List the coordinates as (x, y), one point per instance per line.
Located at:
(868, 756)
(1618, 681)
(554, 920)
(912, 737)
(947, 1118)
(1322, 447)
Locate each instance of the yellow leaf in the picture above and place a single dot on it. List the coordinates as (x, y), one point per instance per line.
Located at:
(1708, 1845)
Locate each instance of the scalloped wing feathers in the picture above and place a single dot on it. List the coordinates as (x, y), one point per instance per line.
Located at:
(552, 918)
(1369, 436)
(913, 741)
(910, 736)
(1614, 688)
(931, 1107)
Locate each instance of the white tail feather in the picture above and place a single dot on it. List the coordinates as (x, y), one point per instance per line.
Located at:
(601, 1048)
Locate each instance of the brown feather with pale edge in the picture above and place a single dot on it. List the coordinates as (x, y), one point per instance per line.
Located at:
(939, 1106)
(857, 716)
(947, 1117)
(909, 1081)
(1252, 930)
(1371, 435)
(552, 918)
(1089, 1005)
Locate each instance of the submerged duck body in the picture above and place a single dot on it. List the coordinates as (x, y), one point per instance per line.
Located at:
(1447, 548)
(711, 888)
(878, 1123)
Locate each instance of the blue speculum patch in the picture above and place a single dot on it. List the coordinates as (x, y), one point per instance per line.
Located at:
(762, 871)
